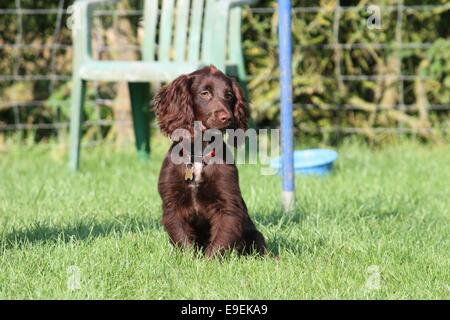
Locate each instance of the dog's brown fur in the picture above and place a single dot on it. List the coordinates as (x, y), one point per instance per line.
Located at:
(210, 214)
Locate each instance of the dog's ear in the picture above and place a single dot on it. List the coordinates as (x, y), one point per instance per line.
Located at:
(240, 110)
(173, 106)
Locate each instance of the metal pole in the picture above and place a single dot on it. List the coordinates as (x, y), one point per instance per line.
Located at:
(285, 53)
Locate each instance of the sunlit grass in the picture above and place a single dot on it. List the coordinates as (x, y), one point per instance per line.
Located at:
(387, 207)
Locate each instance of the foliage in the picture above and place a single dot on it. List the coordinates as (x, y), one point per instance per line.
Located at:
(325, 100)
(438, 67)
(338, 89)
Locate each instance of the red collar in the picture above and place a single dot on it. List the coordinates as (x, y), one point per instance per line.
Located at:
(194, 158)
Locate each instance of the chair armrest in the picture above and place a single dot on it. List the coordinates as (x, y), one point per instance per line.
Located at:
(228, 4)
(236, 3)
(89, 2)
(83, 8)
(81, 27)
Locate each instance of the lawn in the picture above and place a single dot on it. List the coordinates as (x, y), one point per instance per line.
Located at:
(378, 227)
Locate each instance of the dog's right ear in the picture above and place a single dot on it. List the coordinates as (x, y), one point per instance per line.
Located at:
(174, 107)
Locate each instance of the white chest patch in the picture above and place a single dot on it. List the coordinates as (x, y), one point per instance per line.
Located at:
(198, 168)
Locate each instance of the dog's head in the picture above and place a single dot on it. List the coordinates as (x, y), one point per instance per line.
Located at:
(206, 95)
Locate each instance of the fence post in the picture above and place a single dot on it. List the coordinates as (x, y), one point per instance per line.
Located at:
(285, 56)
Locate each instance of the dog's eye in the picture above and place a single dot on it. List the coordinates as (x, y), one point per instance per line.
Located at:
(229, 96)
(205, 94)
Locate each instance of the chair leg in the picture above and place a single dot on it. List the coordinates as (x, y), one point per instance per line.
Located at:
(76, 119)
(140, 108)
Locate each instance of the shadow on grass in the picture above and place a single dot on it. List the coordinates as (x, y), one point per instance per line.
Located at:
(278, 218)
(295, 245)
(280, 224)
(43, 233)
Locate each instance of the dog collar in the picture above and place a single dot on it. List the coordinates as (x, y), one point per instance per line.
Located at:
(196, 163)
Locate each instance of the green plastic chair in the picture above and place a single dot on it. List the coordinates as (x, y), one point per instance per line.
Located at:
(204, 32)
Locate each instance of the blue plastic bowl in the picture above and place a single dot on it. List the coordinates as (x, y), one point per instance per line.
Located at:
(311, 161)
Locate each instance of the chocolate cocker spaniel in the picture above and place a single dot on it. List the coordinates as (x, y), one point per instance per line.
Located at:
(202, 201)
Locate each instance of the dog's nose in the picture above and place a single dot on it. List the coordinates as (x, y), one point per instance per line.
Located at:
(224, 117)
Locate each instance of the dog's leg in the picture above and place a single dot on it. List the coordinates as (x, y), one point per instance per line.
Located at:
(226, 233)
(180, 231)
(254, 242)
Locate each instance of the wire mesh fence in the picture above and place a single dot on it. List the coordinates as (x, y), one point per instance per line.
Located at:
(35, 66)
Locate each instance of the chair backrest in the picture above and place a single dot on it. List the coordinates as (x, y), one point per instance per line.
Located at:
(185, 31)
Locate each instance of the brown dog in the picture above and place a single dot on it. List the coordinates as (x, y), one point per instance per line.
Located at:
(202, 203)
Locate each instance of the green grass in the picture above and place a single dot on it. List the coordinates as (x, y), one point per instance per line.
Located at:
(387, 207)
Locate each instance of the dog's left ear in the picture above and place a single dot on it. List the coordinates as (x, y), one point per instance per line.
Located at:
(240, 110)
